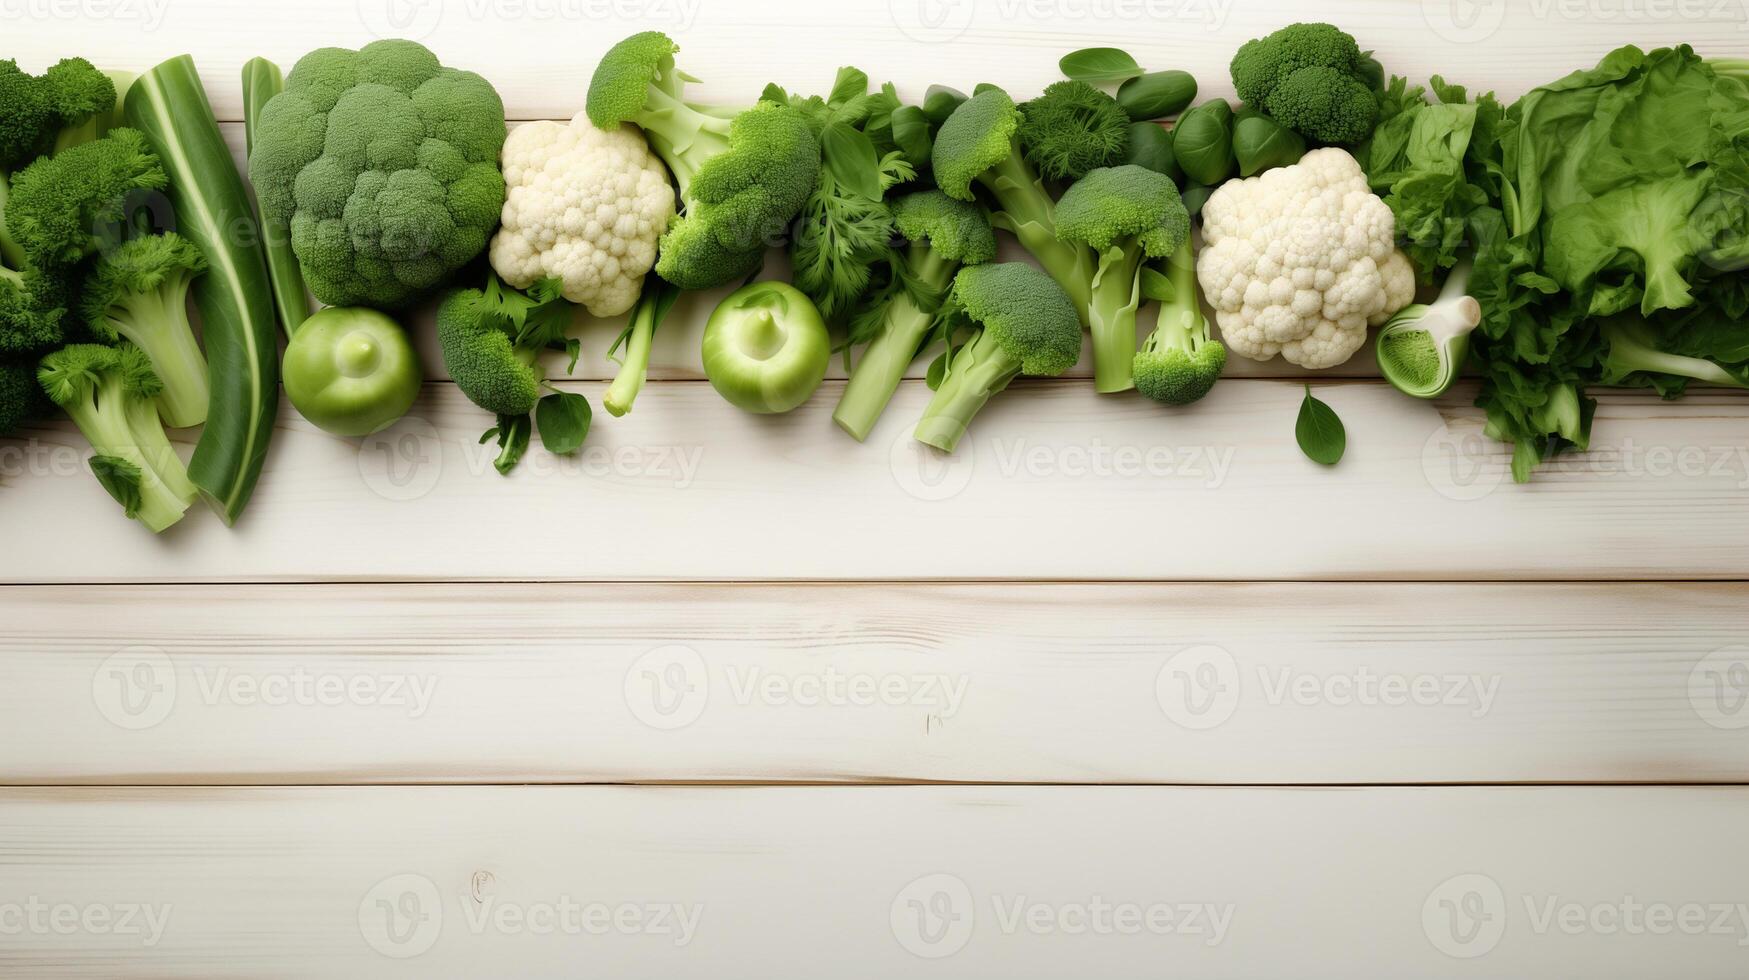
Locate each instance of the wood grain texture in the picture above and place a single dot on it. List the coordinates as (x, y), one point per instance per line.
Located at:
(992, 683)
(1054, 482)
(879, 882)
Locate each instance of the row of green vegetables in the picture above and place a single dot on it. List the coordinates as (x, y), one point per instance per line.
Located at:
(1593, 232)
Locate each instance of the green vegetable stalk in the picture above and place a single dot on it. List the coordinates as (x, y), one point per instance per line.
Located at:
(235, 297)
(262, 81)
(1422, 349)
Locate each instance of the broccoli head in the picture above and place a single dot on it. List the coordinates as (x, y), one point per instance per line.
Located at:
(1126, 215)
(636, 82)
(32, 311)
(1178, 364)
(742, 201)
(33, 108)
(384, 165)
(492, 339)
(1022, 323)
(1073, 128)
(139, 293)
(64, 208)
(111, 394)
(958, 231)
(1313, 79)
(21, 398)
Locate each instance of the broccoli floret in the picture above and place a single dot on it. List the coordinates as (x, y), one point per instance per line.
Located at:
(139, 293)
(1073, 128)
(979, 144)
(944, 234)
(32, 311)
(384, 165)
(492, 339)
(742, 201)
(1178, 364)
(111, 395)
(1314, 79)
(636, 82)
(62, 207)
(35, 109)
(1125, 214)
(1023, 323)
(21, 398)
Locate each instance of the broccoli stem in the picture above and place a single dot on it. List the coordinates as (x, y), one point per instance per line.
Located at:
(1112, 317)
(629, 381)
(681, 135)
(885, 360)
(1028, 213)
(1181, 325)
(1632, 350)
(126, 427)
(978, 371)
(157, 323)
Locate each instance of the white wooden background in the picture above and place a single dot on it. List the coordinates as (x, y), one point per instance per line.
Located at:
(1118, 693)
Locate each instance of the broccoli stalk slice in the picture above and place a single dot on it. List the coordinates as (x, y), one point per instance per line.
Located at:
(1422, 349)
(653, 305)
(1179, 363)
(1633, 350)
(156, 321)
(903, 330)
(976, 372)
(1027, 212)
(1111, 317)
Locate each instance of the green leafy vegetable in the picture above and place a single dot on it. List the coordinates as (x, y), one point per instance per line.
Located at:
(1260, 143)
(1157, 95)
(1099, 66)
(1202, 142)
(563, 419)
(1071, 129)
(1151, 147)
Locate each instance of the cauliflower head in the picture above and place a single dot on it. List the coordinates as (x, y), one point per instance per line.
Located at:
(586, 206)
(384, 165)
(1300, 260)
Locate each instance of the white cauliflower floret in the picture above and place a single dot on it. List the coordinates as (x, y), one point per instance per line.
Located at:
(1300, 260)
(585, 206)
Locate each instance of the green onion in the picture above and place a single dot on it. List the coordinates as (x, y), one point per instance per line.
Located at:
(235, 297)
(262, 81)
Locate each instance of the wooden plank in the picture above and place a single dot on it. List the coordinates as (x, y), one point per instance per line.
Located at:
(541, 53)
(1248, 684)
(1055, 482)
(874, 882)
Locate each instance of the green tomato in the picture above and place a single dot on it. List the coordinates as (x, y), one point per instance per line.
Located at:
(351, 371)
(766, 349)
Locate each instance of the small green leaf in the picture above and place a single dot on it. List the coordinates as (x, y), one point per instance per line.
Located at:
(939, 102)
(513, 433)
(1320, 433)
(563, 418)
(1157, 286)
(851, 157)
(1157, 95)
(851, 83)
(911, 133)
(122, 479)
(1099, 66)
(774, 93)
(937, 371)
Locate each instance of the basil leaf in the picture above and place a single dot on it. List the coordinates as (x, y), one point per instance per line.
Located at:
(563, 418)
(1320, 433)
(850, 157)
(1099, 66)
(911, 134)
